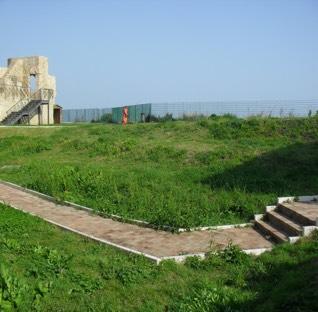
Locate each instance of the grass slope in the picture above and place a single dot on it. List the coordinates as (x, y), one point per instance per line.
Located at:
(43, 268)
(186, 173)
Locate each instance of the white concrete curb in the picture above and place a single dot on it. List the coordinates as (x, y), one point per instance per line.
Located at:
(216, 227)
(153, 258)
(306, 198)
(123, 219)
(257, 251)
(157, 260)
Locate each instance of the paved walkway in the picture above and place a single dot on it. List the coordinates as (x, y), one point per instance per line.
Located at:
(153, 243)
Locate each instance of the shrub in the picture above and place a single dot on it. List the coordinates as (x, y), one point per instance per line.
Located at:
(233, 254)
(106, 118)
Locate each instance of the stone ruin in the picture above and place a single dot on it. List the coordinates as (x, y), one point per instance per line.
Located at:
(27, 92)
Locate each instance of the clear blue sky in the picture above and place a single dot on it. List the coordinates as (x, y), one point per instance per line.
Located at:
(107, 53)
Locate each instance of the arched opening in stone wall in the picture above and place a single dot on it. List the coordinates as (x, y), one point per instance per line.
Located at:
(32, 83)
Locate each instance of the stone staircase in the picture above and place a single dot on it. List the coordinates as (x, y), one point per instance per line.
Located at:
(289, 219)
(23, 115)
(26, 108)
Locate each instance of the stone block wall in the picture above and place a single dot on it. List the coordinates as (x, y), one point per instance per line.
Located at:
(15, 85)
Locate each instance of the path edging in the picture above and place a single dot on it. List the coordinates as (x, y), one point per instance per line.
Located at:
(146, 224)
(150, 257)
(156, 259)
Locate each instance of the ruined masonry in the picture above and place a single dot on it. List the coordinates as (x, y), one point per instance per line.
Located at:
(27, 93)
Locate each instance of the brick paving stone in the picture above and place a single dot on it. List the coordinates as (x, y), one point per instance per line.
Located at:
(145, 240)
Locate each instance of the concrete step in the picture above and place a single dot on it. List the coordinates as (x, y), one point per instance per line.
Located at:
(295, 214)
(269, 230)
(287, 225)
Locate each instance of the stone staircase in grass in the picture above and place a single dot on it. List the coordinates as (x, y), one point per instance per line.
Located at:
(290, 219)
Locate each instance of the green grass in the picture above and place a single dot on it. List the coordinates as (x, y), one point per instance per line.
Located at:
(212, 171)
(43, 268)
(209, 171)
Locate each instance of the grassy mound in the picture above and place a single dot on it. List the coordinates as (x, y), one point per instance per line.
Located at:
(211, 171)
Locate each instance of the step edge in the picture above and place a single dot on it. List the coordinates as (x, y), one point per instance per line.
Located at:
(270, 208)
(294, 211)
(259, 216)
(281, 236)
(271, 226)
(291, 223)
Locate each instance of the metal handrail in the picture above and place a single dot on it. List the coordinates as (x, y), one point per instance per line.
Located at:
(41, 94)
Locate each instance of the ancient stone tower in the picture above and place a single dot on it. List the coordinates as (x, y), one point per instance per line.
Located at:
(27, 92)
